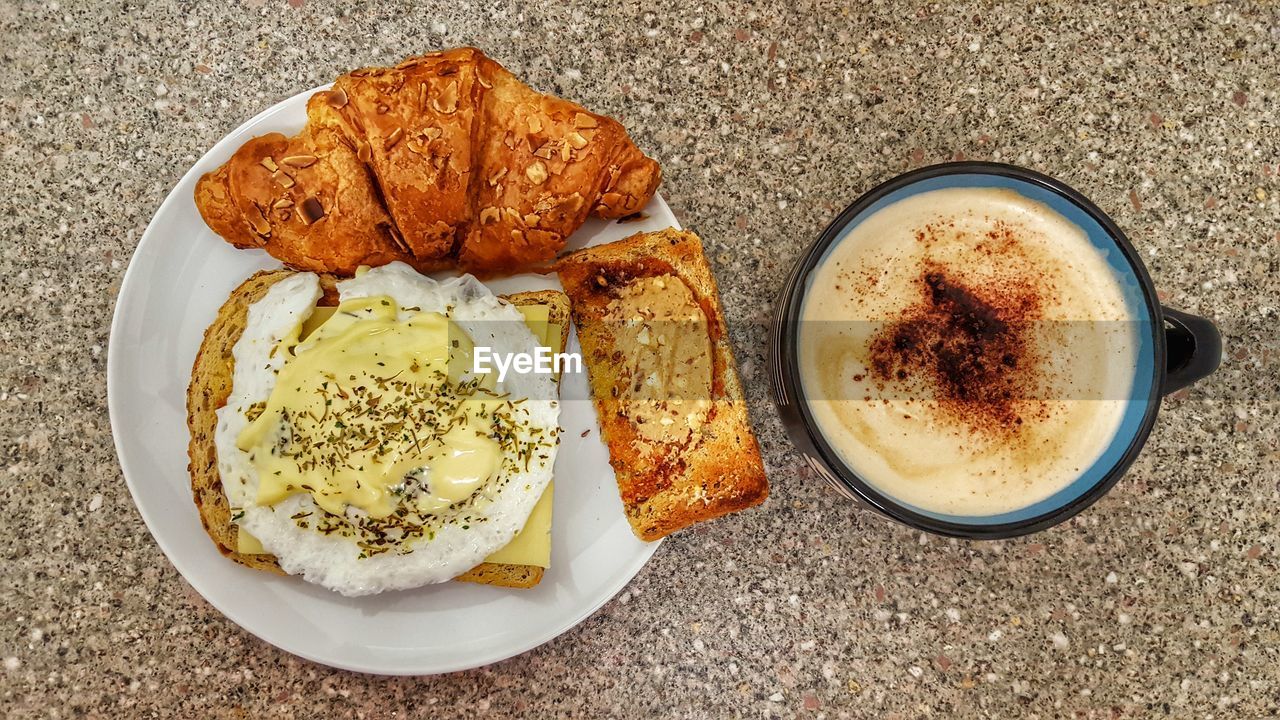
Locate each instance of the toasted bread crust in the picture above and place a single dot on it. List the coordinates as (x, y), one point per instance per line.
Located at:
(715, 473)
(503, 575)
(210, 386)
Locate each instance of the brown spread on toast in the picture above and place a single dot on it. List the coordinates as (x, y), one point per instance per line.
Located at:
(666, 352)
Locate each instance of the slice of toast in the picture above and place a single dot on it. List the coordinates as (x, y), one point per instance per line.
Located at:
(664, 381)
(208, 391)
(210, 387)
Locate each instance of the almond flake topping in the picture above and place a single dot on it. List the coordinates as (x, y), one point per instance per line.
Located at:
(447, 101)
(537, 173)
(259, 224)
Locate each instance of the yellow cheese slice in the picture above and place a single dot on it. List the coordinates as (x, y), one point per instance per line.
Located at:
(247, 544)
(317, 318)
(532, 545)
(536, 316)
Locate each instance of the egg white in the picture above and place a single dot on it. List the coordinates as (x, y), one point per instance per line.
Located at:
(333, 560)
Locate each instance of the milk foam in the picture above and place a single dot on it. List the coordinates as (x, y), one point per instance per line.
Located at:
(897, 432)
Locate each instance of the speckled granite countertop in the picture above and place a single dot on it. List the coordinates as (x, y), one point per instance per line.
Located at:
(767, 119)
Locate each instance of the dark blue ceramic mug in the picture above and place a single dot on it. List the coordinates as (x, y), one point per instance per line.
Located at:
(1174, 349)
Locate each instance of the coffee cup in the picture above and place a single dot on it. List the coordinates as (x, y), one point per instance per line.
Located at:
(962, 281)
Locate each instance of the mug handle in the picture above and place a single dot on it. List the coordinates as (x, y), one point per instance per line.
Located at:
(1193, 349)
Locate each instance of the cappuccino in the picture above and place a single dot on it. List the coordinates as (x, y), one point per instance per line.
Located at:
(966, 351)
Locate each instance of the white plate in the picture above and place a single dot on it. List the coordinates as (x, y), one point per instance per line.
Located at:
(179, 275)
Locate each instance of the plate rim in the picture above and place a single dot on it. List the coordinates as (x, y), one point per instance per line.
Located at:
(130, 277)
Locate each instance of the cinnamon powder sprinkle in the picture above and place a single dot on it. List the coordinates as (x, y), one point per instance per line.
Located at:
(967, 347)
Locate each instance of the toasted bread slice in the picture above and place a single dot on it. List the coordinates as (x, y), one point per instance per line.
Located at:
(208, 391)
(664, 381)
(210, 387)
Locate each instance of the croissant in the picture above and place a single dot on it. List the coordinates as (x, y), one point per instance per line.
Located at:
(444, 160)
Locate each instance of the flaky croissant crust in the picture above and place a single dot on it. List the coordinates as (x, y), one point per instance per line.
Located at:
(444, 160)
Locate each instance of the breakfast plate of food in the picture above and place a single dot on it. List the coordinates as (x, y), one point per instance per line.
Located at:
(297, 394)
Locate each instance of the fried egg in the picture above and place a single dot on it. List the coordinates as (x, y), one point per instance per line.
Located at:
(365, 455)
